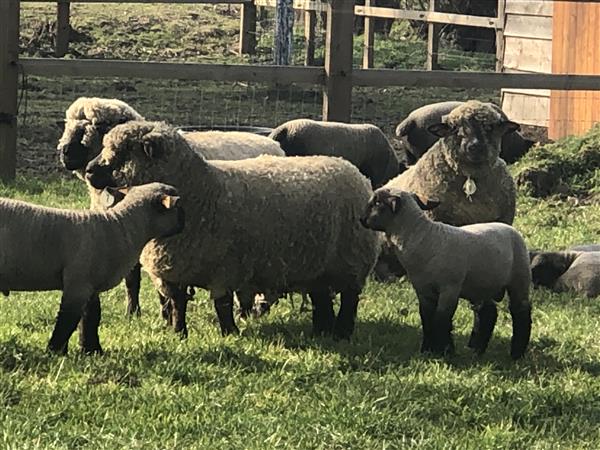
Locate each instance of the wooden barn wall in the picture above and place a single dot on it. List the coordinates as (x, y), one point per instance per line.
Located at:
(576, 50)
(528, 49)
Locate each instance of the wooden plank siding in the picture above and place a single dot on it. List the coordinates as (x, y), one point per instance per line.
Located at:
(576, 50)
(527, 49)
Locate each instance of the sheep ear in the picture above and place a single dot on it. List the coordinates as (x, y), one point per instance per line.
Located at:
(111, 196)
(441, 130)
(152, 145)
(169, 201)
(393, 202)
(426, 204)
(509, 126)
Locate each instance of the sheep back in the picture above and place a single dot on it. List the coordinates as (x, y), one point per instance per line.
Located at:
(101, 110)
(269, 223)
(232, 145)
(583, 276)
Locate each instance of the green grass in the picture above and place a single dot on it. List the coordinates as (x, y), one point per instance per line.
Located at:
(276, 386)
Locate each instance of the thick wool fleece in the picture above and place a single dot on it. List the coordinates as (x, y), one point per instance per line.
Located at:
(232, 145)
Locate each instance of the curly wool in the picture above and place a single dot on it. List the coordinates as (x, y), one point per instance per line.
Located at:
(232, 145)
(261, 224)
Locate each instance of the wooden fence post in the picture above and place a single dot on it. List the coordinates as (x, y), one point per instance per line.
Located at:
(433, 41)
(369, 40)
(284, 33)
(248, 29)
(9, 85)
(63, 9)
(310, 25)
(337, 98)
(500, 35)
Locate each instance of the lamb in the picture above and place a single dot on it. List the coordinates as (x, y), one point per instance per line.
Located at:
(87, 121)
(363, 145)
(444, 263)
(463, 171)
(82, 253)
(415, 131)
(571, 270)
(268, 224)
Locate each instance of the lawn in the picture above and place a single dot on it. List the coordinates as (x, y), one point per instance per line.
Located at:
(276, 386)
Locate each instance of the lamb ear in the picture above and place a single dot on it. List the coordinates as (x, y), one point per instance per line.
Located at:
(441, 130)
(111, 196)
(152, 144)
(426, 204)
(509, 126)
(169, 201)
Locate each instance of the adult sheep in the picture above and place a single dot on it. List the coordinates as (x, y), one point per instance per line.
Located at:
(414, 129)
(463, 170)
(82, 253)
(88, 119)
(257, 225)
(364, 145)
(479, 262)
(572, 270)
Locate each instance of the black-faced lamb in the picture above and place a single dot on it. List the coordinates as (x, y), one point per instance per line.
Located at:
(478, 262)
(364, 145)
(576, 270)
(463, 170)
(268, 224)
(82, 253)
(418, 139)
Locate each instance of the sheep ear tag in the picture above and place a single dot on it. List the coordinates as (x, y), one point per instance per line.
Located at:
(393, 203)
(469, 188)
(169, 201)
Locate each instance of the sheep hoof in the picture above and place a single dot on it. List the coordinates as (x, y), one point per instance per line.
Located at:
(58, 349)
(97, 350)
(230, 330)
(182, 332)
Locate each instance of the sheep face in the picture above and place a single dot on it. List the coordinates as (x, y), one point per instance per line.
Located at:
(133, 154)
(546, 268)
(161, 202)
(385, 205)
(473, 132)
(81, 141)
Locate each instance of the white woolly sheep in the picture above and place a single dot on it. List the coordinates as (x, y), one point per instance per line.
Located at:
(418, 139)
(364, 145)
(463, 171)
(267, 224)
(82, 253)
(571, 270)
(88, 119)
(478, 262)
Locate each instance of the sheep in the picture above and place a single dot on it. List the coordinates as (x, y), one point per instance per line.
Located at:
(82, 253)
(415, 131)
(477, 262)
(571, 270)
(363, 145)
(463, 171)
(268, 224)
(87, 120)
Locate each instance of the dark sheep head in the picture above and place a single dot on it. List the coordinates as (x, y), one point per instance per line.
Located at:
(547, 267)
(135, 153)
(386, 204)
(473, 132)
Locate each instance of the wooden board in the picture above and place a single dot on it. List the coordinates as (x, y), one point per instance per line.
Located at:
(576, 50)
(530, 55)
(526, 106)
(530, 7)
(533, 27)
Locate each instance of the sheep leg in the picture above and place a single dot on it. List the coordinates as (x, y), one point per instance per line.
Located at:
(179, 301)
(484, 321)
(427, 307)
(520, 311)
(344, 324)
(224, 308)
(323, 317)
(89, 341)
(166, 309)
(132, 285)
(246, 301)
(67, 319)
(443, 343)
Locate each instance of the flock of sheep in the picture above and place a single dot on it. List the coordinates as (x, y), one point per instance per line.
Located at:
(313, 209)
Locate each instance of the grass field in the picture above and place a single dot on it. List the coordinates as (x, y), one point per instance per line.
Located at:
(275, 386)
